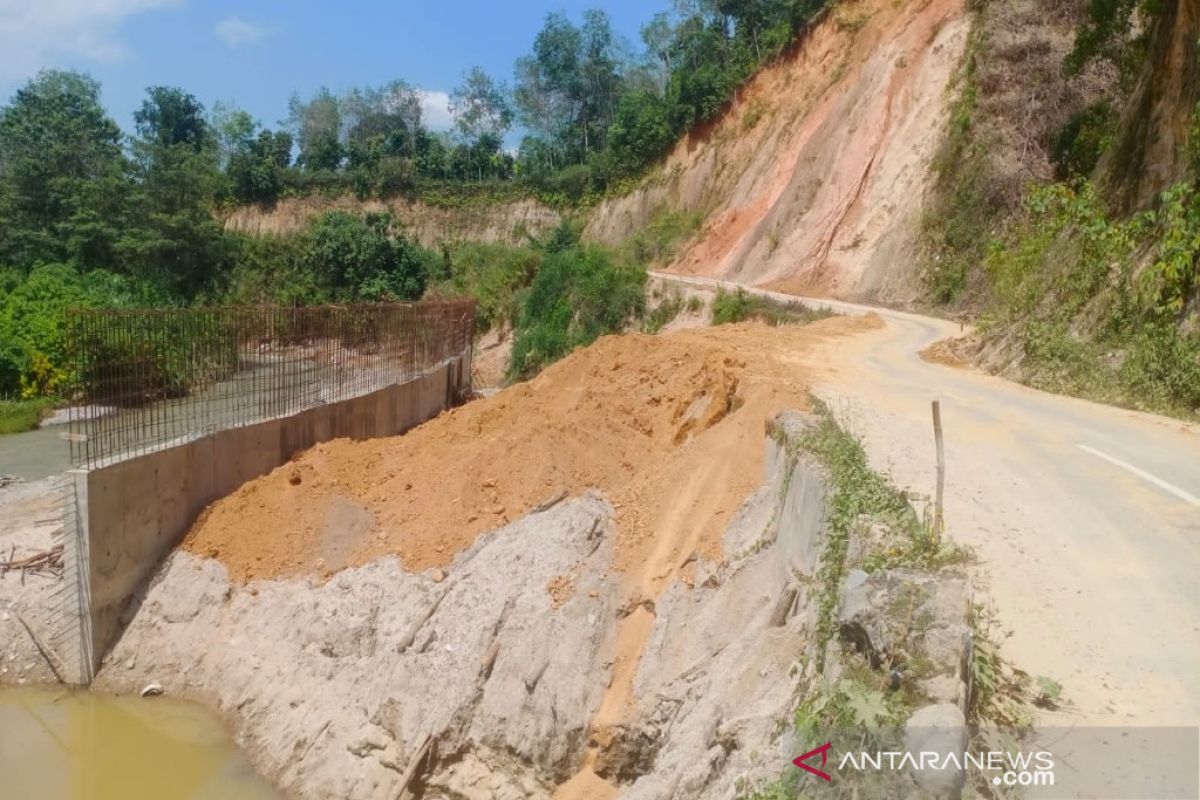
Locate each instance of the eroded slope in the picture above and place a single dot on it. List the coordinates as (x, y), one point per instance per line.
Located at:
(815, 178)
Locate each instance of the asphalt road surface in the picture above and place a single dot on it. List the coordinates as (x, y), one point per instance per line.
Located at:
(1084, 518)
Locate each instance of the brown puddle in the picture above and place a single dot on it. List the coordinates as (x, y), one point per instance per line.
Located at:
(84, 746)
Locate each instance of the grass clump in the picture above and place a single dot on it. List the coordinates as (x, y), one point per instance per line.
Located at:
(741, 306)
(663, 314)
(857, 492)
(663, 236)
(18, 416)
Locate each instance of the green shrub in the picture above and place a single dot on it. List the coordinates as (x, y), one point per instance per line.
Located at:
(491, 273)
(729, 308)
(579, 294)
(741, 306)
(573, 182)
(18, 416)
(1066, 280)
(365, 259)
(662, 237)
(33, 335)
(1077, 147)
(662, 314)
(1164, 368)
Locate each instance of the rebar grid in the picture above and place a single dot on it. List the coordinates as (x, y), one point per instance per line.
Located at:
(145, 378)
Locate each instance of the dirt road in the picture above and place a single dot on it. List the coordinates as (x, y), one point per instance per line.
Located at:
(1085, 518)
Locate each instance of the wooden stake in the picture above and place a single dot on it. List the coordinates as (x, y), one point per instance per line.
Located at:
(411, 772)
(938, 521)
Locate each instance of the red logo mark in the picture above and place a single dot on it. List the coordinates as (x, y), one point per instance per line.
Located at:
(823, 751)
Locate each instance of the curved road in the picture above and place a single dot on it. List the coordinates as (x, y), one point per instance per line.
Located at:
(1085, 519)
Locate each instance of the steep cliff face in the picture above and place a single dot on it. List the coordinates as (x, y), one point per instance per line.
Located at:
(480, 222)
(815, 178)
(1151, 151)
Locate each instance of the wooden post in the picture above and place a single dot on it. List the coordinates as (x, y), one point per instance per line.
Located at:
(938, 522)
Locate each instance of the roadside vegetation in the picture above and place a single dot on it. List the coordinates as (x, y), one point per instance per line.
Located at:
(742, 306)
(1085, 281)
(862, 704)
(862, 707)
(858, 494)
(18, 416)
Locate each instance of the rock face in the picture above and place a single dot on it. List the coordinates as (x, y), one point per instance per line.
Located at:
(485, 680)
(716, 686)
(815, 178)
(916, 626)
(915, 622)
(340, 687)
(940, 729)
(481, 681)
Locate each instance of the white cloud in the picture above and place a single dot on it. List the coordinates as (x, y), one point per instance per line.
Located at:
(235, 32)
(435, 110)
(41, 33)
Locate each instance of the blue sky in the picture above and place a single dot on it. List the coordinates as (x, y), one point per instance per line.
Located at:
(255, 54)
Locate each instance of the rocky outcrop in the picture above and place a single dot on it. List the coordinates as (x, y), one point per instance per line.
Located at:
(915, 624)
(485, 680)
(474, 682)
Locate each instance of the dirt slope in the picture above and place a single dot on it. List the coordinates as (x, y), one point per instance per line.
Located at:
(815, 178)
(483, 222)
(666, 427)
(654, 422)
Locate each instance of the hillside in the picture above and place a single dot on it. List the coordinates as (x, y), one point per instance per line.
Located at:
(429, 224)
(813, 179)
(1027, 164)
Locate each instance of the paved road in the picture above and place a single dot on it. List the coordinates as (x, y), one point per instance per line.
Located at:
(1085, 518)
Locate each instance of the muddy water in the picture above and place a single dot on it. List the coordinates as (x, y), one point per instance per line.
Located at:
(85, 746)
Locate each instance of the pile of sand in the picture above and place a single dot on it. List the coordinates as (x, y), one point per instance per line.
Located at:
(667, 427)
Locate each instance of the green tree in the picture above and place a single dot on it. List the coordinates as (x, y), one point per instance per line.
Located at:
(355, 258)
(234, 130)
(578, 295)
(317, 126)
(381, 123)
(170, 117)
(173, 239)
(482, 116)
(257, 169)
(62, 174)
(641, 133)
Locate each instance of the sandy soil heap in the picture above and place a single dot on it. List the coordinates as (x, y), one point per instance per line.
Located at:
(633, 416)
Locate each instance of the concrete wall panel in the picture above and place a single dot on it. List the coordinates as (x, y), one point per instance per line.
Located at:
(133, 513)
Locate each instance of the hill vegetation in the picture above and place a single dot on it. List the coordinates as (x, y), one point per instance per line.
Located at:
(95, 217)
(1085, 277)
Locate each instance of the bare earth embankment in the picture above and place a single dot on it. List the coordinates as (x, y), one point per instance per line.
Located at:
(816, 179)
(378, 605)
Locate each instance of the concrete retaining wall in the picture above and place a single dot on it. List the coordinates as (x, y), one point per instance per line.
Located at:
(124, 518)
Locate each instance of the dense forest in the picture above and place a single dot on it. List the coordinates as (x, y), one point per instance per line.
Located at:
(95, 217)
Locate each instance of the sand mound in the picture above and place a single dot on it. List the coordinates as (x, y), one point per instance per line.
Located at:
(667, 427)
